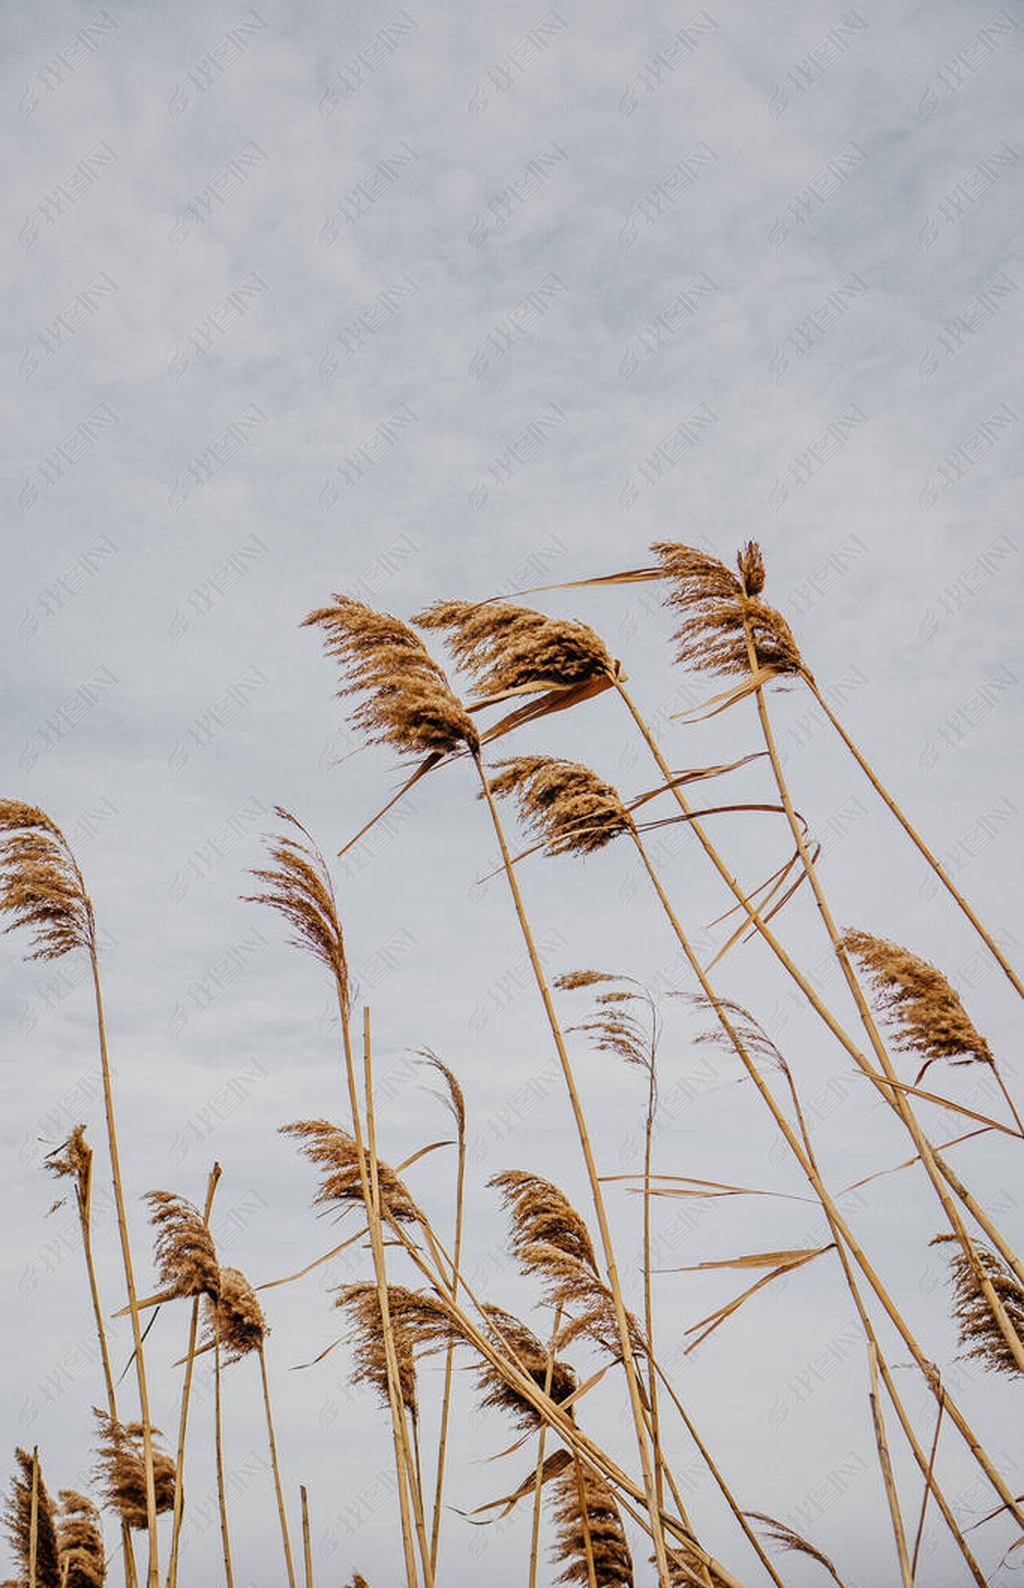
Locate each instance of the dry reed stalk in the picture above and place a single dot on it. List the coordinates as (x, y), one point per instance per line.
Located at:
(539, 1472)
(705, 622)
(407, 702)
(186, 1390)
(42, 887)
(615, 1029)
(745, 1037)
(307, 1542)
(80, 1542)
(891, 1495)
(455, 1102)
(75, 1160)
(300, 888)
(622, 1324)
(390, 1334)
(218, 1424)
(916, 839)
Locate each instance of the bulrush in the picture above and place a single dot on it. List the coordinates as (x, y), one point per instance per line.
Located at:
(718, 605)
(80, 1542)
(121, 1470)
(408, 701)
(568, 806)
(335, 1151)
(589, 1531)
(29, 1521)
(73, 1161)
(980, 1335)
(927, 1013)
(299, 887)
(508, 647)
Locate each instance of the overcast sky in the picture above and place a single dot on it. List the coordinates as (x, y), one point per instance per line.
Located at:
(453, 302)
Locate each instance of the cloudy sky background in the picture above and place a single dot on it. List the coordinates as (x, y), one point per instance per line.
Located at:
(236, 445)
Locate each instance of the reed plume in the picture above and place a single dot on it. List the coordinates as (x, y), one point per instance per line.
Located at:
(336, 1153)
(407, 700)
(508, 647)
(186, 1257)
(362, 1302)
(40, 883)
(541, 1212)
(30, 1523)
(121, 1470)
(979, 1333)
(589, 1531)
(721, 608)
(299, 887)
(927, 1013)
(234, 1315)
(532, 1356)
(568, 806)
(83, 1562)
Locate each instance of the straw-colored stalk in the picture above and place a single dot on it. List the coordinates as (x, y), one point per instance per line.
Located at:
(186, 1391)
(307, 1541)
(33, 1535)
(538, 1488)
(629, 1365)
(219, 1451)
(300, 888)
(892, 1497)
(411, 1450)
(841, 1234)
(898, 1100)
(457, 1107)
(285, 1540)
(917, 840)
(76, 1160)
(833, 1025)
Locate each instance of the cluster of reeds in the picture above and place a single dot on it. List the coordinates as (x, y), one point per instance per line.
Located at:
(416, 1302)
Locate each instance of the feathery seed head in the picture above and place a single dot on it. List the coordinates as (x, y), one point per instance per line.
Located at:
(927, 1013)
(74, 1161)
(362, 1301)
(571, 808)
(585, 1505)
(17, 1519)
(511, 1333)
(121, 1470)
(407, 700)
(185, 1253)
(80, 1542)
(541, 1212)
(980, 1334)
(41, 886)
(719, 608)
(507, 647)
(300, 888)
(235, 1315)
(335, 1151)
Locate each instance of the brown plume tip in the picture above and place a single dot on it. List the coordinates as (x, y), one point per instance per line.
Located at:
(511, 647)
(235, 1316)
(585, 1508)
(80, 1542)
(407, 700)
(721, 609)
(926, 1011)
(121, 1470)
(511, 1334)
(541, 1212)
(980, 1334)
(335, 1153)
(17, 1519)
(186, 1257)
(299, 887)
(41, 886)
(362, 1302)
(571, 809)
